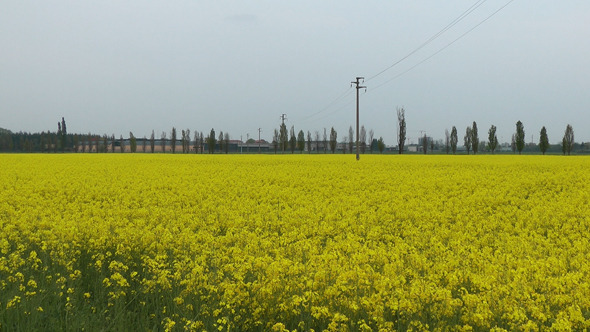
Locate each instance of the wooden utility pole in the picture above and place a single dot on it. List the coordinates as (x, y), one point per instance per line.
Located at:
(358, 86)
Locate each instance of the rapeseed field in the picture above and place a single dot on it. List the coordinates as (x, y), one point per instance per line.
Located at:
(121, 242)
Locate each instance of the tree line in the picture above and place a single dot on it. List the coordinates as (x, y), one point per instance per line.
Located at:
(283, 140)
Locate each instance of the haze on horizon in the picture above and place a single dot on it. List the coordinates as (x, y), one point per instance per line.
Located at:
(113, 67)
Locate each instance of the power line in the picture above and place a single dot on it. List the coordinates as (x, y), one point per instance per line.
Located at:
(444, 47)
(342, 95)
(473, 7)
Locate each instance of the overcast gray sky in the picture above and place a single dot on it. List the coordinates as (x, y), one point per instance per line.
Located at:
(110, 67)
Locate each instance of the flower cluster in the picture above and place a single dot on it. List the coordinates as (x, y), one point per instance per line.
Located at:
(294, 242)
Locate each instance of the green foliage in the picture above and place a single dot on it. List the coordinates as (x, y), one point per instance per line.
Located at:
(301, 141)
(333, 139)
(381, 145)
(543, 140)
(467, 139)
(474, 138)
(519, 138)
(492, 139)
(211, 140)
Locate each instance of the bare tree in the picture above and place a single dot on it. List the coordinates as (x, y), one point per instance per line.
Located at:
(568, 139)
(196, 142)
(112, 142)
(317, 141)
(308, 141)
(371, 135)
(275, 140)
(363, 139)
(163, 141)
(121, 144)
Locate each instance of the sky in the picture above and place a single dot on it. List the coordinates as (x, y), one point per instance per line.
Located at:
(114, 67)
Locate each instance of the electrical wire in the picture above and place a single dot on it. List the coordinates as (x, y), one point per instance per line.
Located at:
(473, 7)
(341, 96)
(443, 48)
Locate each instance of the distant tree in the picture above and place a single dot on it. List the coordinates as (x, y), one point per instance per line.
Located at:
(308, 141)
(454, 139)
(519, 137)
(105, 144)
(221, 141)
(381, 145)
(132, 142)
(292, 139)
(563, 145)
(474, 138)
(344, 144)
(371, 135)
(317, 141)
(143, 144)
(202, 142)
(58, 138)
(163, 140)
(363, 139)
(543, 141)
(122, 144)
(112, 142)
(211, 141)
(325, 139)
(226, 142)
(196, 143)
(76, 143)
(467, 139)
(64, 134)
(401, 129)
(183, 140)
(568, 139)
(351, 140)
(83, 143)
(513, 143)
(275, 140)
(173, 140)
(283, 137)
(447, 141)
(492, 139)
(187, 142)
(425, 144)
(333, 139)
(152, 142)
(301, 141)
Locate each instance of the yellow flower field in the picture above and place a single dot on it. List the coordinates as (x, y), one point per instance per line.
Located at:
(120, 242)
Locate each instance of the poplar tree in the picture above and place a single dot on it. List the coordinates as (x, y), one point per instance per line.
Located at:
(173, 140)
(543, 141)
(474, 138)
(454, 139)
(492, 139)
(333, 138)
(519, 138)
